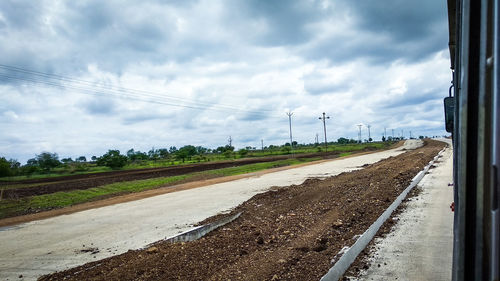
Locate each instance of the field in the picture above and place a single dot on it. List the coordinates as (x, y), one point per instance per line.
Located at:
(25, 196)
(288, 233)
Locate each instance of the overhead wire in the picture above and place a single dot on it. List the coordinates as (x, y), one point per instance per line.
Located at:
(93, 84)
(90, 87)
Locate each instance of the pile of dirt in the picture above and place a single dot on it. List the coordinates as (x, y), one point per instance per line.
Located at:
(288, 233)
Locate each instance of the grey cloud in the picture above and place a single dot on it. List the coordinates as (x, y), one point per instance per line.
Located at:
(382, 33)
(100, 106)
(286, 22)
(22, 14)
(404, 20)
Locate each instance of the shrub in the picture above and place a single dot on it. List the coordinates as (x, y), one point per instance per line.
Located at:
(112, 159)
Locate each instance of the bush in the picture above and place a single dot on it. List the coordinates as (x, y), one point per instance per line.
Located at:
(286, 149)
(243, 152)
(112, 159)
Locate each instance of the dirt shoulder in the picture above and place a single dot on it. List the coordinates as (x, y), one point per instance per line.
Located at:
(289, 233)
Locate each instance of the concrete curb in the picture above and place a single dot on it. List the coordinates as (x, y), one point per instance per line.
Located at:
(197, 232)
(349, 255)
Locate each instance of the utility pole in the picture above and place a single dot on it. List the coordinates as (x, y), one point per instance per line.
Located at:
(393, 134)
(290, 123)
(385, 133)
(262, 144)
(230, 140)
(369, 135)
(359, 133)
(324, 128)
(317, 138)
(410, 134)
(402, 133)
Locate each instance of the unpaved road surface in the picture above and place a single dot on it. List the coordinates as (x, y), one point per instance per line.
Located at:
(41, 247)
(288, 233)
(420, 247)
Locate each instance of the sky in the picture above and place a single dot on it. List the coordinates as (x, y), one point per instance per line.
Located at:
(82, 77)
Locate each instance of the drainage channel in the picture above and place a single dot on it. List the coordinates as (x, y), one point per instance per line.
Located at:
(349, 254)
(197, 232)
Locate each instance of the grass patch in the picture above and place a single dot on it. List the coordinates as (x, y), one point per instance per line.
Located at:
(64, 199)
(345, 154)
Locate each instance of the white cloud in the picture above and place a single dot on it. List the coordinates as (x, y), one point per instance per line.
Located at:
(195, 72)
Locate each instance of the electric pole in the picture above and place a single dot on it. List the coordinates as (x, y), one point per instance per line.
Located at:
(359, 133)
(392, 133)
(290, 123)
(369, 135)
(385, 133)
(317, 138)
(230, 140)
(262, 144)
(324, 128)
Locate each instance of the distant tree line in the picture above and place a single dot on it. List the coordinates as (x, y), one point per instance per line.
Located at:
(46, 161)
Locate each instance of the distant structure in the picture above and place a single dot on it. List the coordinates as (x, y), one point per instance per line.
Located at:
(359, 133)
(290, 123)
(324, 128)
(369, 134)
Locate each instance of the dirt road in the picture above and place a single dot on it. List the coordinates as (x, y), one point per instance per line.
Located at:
(42, 247)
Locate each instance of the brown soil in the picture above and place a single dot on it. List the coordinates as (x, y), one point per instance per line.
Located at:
(85, 181)
(363, 262)
(289, 233)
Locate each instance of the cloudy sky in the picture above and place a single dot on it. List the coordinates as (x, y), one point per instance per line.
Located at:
(82, 77)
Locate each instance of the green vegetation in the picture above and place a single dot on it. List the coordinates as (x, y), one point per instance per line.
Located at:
(64, 199)
(47, 164)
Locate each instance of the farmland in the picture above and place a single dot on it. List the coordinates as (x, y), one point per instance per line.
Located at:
(21, 196)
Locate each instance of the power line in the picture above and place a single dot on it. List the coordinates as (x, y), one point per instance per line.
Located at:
(93, 84)
(99, 90)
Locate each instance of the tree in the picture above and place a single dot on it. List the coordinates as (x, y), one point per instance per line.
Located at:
(172, 150)
(201, 150)
(5, 169)
(286, 149)
(67, 160)
(243, 152)
(153, 154)
(163, 153)
(81, 159)
(342, 141)
(93, 158)
(383, 138)
(112, 159)
(47, 160)
(184, 152)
